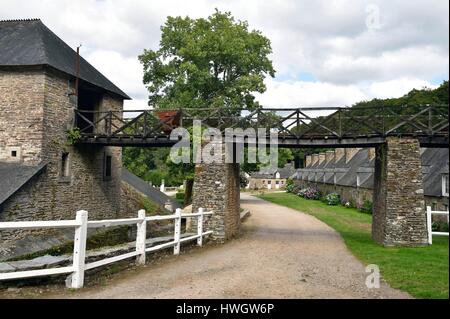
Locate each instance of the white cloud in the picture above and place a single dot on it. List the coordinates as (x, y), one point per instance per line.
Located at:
(316, 94)
(327, 38)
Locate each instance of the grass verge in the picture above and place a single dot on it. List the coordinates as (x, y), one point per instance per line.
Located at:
(423, 272)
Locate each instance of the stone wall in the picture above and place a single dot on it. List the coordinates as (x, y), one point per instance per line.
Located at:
(52, 196)
(398, 217)
(131, 200)
(216, 188)
(355, 195)
(21, 115)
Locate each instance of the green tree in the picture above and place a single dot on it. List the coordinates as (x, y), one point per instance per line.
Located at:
(213, 62)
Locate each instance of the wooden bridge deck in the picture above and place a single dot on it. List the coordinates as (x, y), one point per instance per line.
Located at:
(295, 127)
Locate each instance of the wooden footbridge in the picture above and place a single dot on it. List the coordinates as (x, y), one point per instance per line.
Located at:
(296, 127)
(396, 132)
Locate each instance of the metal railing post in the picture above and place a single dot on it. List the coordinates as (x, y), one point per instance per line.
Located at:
(177, 231)
(79, 250)
(140, 237)
(200, 227)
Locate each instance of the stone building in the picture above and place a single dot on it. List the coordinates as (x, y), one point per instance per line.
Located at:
(271, 178)
(350, 173)
(42, 177)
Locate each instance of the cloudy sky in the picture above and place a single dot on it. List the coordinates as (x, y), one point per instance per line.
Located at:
(326, 53)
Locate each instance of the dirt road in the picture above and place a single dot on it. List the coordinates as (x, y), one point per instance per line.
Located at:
(281, 254)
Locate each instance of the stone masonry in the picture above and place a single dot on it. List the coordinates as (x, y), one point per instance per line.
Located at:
(216, 188)
(398, 217)
(36, 111)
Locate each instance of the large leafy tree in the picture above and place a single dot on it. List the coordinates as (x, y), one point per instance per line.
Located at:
(213, 62)
(201, 63)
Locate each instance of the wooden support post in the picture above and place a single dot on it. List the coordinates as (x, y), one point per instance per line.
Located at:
(177, 231)
(79, 250)
(140, 237)
(200, 227)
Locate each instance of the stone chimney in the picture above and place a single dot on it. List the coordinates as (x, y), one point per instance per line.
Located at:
(315, 159)
(329, 156)
(308, 160)
(321, 158)
(338, 154)
(349, 153)
(371, 153)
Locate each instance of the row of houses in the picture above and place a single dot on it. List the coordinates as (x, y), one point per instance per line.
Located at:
(350, 173)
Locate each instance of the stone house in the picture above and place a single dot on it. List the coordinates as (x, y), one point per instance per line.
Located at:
(42, 177)
(350, 173)
(271, 178)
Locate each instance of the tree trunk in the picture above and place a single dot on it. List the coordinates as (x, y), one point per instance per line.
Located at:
(188, 192)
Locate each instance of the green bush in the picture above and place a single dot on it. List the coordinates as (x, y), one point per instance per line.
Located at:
(440, 226)
(179, 195)
(366, 207)
(310, 193)
(332, 199)
(290, 188)
(73, 135)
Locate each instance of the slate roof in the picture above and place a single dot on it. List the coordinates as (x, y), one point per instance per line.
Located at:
(435, 162)
(31, 43)
(269, 172)
(13, 176)
(151, 192)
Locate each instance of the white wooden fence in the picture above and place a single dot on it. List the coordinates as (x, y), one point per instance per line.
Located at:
(430, 223)
(81, 224)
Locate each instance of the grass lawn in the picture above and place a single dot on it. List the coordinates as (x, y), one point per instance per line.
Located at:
(422, 272)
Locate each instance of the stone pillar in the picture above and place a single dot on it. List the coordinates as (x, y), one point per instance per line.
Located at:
(216, 188)
(371, 153)
(398, 202)
(338, 154)
(321, 158)
(308, 161)
(329, 156)
(349, 153)
(315, 159)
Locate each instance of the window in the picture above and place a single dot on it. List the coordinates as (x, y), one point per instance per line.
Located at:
(107, 170)
(65, 165)
(277, 182)
(13, 153)
(445, 185)
(269, 182)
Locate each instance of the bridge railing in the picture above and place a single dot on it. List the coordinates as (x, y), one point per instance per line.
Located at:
(81, 224)
(299, 123)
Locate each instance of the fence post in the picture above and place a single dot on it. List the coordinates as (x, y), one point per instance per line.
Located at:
(79, 250)
(140, 237)
(177, 232)
(429, 226)
(200, 227)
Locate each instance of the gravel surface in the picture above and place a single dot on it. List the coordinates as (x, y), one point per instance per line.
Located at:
(281, 254)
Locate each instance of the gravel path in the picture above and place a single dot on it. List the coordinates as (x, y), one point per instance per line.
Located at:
(281, 254)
